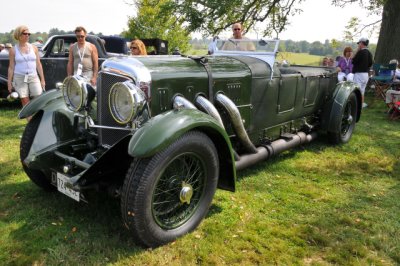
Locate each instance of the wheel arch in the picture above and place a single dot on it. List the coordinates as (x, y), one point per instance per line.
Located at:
(39, 103)
(166, 128)
(332, 109)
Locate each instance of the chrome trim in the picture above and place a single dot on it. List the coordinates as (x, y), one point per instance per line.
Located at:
(179, 102)
(236, 119)
(206, 106)
(106, 127)
(128, 66)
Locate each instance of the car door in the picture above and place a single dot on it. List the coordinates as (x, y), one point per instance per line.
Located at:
(55, 62)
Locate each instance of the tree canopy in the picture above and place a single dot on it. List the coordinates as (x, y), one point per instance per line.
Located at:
(210, 17)
(152, 21)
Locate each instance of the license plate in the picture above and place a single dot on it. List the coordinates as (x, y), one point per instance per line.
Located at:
(62, 180)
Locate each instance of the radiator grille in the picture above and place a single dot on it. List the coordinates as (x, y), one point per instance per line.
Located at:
(104, 117)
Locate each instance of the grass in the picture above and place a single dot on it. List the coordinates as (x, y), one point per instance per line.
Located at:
(300, 58)
(292, 58)
(316, 205)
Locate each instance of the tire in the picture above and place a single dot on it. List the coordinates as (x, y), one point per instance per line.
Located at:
(168, 195)
(347, 123)
(36, 176)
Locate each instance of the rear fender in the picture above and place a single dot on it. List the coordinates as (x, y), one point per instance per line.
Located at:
(164, 129)
(332, 109)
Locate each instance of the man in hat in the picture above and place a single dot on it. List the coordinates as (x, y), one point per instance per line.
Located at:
(8, 47)
(362, 62)
(38, 42)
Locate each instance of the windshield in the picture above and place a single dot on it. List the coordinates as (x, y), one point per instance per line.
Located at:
(246, 45)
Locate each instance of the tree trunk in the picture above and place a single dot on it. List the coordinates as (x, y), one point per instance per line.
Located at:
(388, 46)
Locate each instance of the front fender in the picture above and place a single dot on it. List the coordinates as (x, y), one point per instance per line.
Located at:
(332, 109)
(40, 102)
(162, 130)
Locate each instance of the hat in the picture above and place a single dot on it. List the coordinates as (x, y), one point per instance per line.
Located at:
(2, 45)
(39, 39)
(363, 40)
(8, 45)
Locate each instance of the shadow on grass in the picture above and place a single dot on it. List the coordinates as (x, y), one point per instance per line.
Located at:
(53, 227)
(360, 231)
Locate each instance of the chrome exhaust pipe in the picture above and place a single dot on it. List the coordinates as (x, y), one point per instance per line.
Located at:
(206, 106)
(203, 104)
(180, 102)
(236, 119)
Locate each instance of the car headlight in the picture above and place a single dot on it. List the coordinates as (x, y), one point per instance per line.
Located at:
(126, 101)
(76, 93)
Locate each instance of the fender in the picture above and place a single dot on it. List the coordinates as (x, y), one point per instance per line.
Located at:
(40, 102)
(164, 129)
(336, 103)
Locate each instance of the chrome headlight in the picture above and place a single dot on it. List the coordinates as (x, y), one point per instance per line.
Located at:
(75, 93)
(126, 101)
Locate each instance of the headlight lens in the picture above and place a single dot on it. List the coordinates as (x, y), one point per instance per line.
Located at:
(125, 101)
(75, 93)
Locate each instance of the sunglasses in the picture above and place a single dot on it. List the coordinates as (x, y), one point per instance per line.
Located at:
(80, 36)
(26, 34)
(133, 48)
(236, 29)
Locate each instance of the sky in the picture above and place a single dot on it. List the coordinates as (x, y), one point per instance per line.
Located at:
(319, 20)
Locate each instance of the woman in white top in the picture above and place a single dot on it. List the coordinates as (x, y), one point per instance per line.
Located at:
(24, 67)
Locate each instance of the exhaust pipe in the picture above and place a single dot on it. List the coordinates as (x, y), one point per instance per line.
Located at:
(180, 102)
(207, 107)
(276, 147)
(236, 119)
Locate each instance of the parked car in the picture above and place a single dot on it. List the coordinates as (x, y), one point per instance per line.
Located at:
(54, 56)
(161, 133)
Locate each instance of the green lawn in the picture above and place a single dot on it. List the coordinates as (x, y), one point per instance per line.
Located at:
(300, 58)
(316, 205)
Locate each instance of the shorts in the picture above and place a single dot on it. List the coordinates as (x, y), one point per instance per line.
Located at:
(31, 88)
(361, 79)
(342, 76)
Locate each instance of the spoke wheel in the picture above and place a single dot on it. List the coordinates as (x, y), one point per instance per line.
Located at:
(346, 124)
(178, 191)
(167, 195)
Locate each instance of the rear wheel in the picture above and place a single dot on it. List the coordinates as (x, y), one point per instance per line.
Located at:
(37, 176)
(167, 195)
(347, 122)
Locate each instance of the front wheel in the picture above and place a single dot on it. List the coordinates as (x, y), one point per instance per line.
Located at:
(347, 122)
(167, 195)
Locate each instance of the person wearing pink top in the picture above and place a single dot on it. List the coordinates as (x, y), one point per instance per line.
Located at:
(345, 65)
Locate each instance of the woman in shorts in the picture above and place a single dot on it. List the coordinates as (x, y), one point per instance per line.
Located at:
(24, 67)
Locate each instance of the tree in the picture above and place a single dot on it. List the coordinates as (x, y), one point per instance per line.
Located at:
(389, 39)
(213, 16)
(152, 21)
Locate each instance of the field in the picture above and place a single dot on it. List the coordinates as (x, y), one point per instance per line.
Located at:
(300, 58)
(292, 58)
(319, 204)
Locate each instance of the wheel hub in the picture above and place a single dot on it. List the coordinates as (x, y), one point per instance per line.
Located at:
(350, 119)
(186, 193)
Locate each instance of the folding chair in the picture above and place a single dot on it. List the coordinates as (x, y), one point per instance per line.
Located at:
(383, 78)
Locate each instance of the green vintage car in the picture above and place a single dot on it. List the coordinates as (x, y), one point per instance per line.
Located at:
(161, 133)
